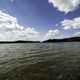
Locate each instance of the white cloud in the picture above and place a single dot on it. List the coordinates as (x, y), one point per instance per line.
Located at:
(10, 29)
(65, 5)
(53, 34)
(12, 0)
(76, 34)
(71, 24)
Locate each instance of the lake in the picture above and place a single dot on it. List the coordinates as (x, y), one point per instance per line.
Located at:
(40, 61)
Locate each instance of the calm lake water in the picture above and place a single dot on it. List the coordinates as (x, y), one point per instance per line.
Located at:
(40, 61)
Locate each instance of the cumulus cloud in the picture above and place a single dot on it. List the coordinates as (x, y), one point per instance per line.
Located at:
(65, 5)
(71, 24)
(53, 34)
(10, 29)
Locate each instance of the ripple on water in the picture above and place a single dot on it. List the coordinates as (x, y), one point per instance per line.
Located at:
(41, 61)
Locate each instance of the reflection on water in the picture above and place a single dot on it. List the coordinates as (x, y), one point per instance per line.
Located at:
(40, 61)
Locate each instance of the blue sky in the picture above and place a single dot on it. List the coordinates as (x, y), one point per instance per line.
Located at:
(44, 15)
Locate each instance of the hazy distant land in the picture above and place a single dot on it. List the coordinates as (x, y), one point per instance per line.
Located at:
(20, 41)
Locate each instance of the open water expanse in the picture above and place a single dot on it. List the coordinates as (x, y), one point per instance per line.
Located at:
(40, 61)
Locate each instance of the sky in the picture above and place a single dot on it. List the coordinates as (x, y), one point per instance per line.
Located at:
(40, 20)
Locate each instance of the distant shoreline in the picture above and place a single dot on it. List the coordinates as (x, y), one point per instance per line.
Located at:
(6, 42)
(72, 39)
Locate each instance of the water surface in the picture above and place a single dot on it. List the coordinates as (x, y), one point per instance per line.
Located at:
(40, 61)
